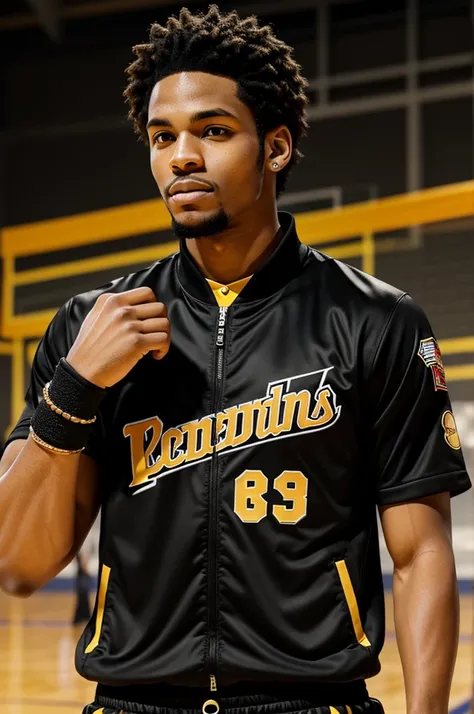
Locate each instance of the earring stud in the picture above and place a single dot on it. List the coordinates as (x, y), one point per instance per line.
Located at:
(276, 165)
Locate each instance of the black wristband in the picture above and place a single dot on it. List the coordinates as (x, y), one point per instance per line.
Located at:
(57, 431)
(75, 395)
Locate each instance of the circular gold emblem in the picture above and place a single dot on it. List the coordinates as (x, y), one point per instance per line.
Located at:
(450, 430)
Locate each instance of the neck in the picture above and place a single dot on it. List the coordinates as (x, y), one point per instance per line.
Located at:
(238, 252)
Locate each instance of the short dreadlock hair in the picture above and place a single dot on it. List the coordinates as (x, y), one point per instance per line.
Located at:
(269, 80)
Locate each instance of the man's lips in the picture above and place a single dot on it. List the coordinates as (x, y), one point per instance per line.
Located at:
(187, 185)
(189, 196)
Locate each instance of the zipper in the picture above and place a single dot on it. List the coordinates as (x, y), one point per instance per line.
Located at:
(213, 497)
(351, 601)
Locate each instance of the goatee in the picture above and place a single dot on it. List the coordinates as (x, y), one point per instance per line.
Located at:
(205, 229)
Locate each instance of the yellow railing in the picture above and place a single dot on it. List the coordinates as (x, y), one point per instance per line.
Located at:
(330, 228)
(317, 227)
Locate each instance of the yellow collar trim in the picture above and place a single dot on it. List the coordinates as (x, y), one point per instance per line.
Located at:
(226, 294)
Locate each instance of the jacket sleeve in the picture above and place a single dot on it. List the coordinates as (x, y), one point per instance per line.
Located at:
(413, 441)
(55, 343)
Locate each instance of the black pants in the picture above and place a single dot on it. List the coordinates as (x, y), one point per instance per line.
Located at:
(340, 699)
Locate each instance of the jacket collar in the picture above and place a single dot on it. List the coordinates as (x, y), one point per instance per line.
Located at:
(283, 264)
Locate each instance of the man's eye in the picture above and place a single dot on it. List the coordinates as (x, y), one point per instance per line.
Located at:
(162, 137)
(224, 132)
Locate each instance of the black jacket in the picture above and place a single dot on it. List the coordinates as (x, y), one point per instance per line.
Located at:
(240, 475)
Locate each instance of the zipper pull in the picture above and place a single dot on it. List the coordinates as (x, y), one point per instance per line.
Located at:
(211, 706)
(221, 328)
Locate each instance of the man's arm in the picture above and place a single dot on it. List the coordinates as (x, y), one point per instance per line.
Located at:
(426, 603)
(48, 503)
(49, 500)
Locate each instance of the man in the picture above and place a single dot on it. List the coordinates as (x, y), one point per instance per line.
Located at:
(239, 410)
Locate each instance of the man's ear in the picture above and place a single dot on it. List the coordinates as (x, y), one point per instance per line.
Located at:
(279, 147)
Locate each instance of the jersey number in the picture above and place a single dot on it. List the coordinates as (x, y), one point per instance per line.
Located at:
(251, 507)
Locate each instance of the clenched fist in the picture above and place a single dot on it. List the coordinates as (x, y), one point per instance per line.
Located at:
(119, 330)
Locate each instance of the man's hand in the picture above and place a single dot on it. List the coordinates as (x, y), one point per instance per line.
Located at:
(117, 332)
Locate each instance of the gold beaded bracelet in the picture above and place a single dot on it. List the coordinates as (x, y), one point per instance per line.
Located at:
(59, 411)
(48, 447)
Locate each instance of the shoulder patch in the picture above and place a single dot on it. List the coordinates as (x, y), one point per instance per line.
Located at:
(431, 356)
(450, 430)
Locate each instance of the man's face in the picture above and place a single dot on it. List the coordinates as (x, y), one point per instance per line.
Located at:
(204, 152)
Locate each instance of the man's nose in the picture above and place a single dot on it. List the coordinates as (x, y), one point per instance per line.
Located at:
(186, 156)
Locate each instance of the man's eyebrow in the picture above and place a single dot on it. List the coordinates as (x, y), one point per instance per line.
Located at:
(210, 113)
(197, 116)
